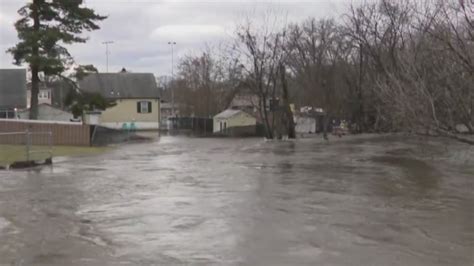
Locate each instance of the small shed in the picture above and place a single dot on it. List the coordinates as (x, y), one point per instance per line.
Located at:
(234, 123)
(305, 124)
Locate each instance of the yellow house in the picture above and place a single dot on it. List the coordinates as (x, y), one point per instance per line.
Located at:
(234, 123)
(136, 96)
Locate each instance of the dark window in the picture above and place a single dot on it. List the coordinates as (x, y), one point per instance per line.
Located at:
(143, 107)
(7, 114)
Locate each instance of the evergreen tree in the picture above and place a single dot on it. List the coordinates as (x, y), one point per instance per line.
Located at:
(44, 28)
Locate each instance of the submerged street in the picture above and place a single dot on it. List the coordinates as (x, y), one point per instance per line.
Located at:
(191, 201)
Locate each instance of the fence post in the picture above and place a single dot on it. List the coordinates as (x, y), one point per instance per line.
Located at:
(50, 143)
(27, 146)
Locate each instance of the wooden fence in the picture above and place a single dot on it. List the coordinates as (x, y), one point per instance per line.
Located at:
(62, 133)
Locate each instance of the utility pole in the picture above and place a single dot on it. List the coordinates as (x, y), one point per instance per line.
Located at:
(107, 54)
(172, 76)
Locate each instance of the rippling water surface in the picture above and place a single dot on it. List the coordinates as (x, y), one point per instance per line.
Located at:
(191, 201)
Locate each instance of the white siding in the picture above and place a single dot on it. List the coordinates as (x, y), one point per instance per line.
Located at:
(241, 119)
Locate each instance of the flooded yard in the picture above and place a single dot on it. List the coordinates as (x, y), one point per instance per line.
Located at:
(191, 201)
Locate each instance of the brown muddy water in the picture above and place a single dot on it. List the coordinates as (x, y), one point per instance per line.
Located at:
(190, 201)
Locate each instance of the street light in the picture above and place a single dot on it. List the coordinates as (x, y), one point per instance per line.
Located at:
(107, 54)
(172, 76)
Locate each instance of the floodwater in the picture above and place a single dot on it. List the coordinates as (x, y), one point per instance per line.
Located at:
(191, 201)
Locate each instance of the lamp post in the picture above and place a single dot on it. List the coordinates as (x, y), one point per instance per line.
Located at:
(107, 54)
(172, 44)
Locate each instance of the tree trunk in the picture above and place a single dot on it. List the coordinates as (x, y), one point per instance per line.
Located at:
(325, 126)
(34, 92)
(34, 65)
(360, 119)
(290, 122)
(264, 114)
(444, 133)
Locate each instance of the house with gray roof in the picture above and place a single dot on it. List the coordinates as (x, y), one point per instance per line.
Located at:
(12, 92)
(136, 96)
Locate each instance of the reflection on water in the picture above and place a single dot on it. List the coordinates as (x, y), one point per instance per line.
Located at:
(372, 201)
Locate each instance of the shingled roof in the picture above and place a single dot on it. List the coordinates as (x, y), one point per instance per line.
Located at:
(12, 88)
(121, 85)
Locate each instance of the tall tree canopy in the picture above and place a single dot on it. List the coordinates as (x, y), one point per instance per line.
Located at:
(43, 29)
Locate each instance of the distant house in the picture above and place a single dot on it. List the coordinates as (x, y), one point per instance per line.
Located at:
(136, 96)
(166, 110)
(234, 123)
(12, 92)
(44, 94)
(52, 93)
(47, 112)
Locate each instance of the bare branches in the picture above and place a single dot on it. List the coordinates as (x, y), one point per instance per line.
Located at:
(391, 65)
(425, 55)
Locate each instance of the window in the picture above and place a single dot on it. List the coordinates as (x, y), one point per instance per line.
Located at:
(7, 114)
(44, 95)
(143, 107)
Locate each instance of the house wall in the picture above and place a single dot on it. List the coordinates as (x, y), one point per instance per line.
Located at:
(240, 120)
(243, 131)
(305, 125)
(125, 111)
(12, 88)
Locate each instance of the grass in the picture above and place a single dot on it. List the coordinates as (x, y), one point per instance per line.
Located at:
(14, 153)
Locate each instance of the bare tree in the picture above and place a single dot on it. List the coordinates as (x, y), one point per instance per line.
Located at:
(260, 51)
(420, 61)
(206, 83)
(317, 55)
(390, 66)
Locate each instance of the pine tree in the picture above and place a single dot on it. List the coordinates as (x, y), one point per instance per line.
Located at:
(44, 28)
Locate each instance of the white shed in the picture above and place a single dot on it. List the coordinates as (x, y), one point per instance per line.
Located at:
(305, 124)
(233, 119)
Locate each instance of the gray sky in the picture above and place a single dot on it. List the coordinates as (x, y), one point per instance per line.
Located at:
(141, 29)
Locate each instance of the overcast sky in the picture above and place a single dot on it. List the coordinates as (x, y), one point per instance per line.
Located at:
(141, 29)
